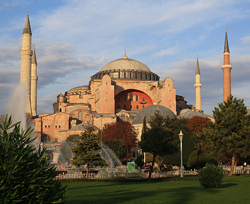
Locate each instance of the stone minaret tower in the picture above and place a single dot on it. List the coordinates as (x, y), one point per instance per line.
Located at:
(26, 62)
(226, 70)
(198, 85)
(34, 79)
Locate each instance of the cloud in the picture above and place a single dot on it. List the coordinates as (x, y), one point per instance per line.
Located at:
(167, 52)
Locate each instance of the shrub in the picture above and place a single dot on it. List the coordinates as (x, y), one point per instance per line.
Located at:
(25, 175)
(198, 159)
(211, 176)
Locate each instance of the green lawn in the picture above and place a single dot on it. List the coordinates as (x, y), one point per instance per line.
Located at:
(233, 190)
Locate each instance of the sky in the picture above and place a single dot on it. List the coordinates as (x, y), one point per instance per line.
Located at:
(74, 39)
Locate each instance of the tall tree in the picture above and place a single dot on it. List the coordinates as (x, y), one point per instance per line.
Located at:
(87, 150)
(26, 176)
(118, 148)
(123, 131)
(158, 141)
(196, 124)
(229, 136)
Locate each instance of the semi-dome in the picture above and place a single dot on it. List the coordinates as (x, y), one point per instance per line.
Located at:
(149, 111)
(126, 63)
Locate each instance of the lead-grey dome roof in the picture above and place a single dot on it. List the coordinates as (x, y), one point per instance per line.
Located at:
(149, 111)
(125, 63)
(190, 114)
(85, 87)
(83, 126)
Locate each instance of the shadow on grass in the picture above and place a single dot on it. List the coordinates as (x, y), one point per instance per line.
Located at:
(227, 185)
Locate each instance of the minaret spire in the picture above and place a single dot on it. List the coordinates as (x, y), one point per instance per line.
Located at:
(197, 86)
(226, 70)
(27, 28)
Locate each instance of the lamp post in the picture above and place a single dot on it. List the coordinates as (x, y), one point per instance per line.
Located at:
(181, 138)
(142, 124)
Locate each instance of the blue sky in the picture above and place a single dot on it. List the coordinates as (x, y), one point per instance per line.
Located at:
(75, 39)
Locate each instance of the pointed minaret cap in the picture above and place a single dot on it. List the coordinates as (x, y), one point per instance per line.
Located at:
(27, 28)
(197, 66)
(33, 58)
(226, 47)
(125, 56)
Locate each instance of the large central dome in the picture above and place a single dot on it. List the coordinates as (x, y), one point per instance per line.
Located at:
(126, 69)
(126, 63)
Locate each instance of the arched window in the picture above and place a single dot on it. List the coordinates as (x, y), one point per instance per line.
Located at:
(137, 107)
(137, 98)
(80, 115)
(118, 98)
(87, 118)
(143, 99)
(73, 116)
(124, 106)
(125, 97)
(118, 106)
(60, 110)
(131, 107)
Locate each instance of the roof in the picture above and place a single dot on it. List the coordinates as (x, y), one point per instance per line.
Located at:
(226, 47)
(33, 58)
(126, 63)
(27, 28)
(83, 126)
(190, 114)
(149, 111)
(85, 87)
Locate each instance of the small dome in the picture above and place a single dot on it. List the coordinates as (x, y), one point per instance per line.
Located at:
(149, 111)
(126, 63)
(83, 126)
(185, 111)
(60, 95)
(191, 114)
(85, 87)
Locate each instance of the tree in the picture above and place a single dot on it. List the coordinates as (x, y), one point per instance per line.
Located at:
(123, 131)
(87, 150)
(158, 141)
(196, 124)
(26, 176)
(118, 148)
(229, 136)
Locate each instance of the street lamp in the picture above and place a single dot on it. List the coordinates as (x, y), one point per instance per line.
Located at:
(142, 123)
(181, 138)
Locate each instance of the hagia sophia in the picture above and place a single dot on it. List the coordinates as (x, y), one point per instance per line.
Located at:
(123, 90)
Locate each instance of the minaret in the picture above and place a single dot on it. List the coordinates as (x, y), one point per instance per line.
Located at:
(26, 62)
(198, 85)
(34, 79)
(226, 70)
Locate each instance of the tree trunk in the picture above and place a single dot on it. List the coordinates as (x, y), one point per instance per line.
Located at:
(87, 173)
(233, 163)
(151, 168)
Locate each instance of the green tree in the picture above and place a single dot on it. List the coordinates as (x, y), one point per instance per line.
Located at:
(158, 141)
(87, 150)
(26, 176)
(229, 136)
(118, 148)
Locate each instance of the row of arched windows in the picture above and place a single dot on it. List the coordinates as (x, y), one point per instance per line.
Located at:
(80, 116)
(130, 107)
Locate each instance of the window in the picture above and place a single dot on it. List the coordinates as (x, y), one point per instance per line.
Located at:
(124, 106)
(73, 116)
(131, 107)
(56, 126)
(118, 106)
(87, 118)
(125, 97)
(45, 138)
(143, 106)
(131, 96)
(45, 126)
(118, 98)
(143, 99)
(137, 98)
(60, 110)
(56, 139)
(137, 107)
(80, 115)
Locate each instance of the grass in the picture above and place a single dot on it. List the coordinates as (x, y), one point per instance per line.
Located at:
(234, 189)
